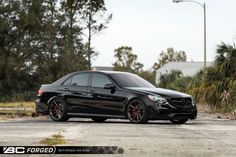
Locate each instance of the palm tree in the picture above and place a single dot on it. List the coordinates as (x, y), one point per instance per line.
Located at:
(217, 89)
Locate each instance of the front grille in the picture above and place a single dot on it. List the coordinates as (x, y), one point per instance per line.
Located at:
(180, 102)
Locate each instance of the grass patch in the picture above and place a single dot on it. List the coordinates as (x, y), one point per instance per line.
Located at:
(17, 104)
(14, 114)
(54, 140)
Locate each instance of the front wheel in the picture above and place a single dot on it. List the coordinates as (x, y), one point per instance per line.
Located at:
(178, 121)
(137, 112)
(57, 110)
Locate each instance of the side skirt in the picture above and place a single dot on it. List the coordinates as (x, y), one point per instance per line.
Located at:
(88, 115)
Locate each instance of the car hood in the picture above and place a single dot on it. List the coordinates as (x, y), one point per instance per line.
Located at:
(160, 91)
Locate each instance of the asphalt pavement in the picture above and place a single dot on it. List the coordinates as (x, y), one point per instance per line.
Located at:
(208, 136)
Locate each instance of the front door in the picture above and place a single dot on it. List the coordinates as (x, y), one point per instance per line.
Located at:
(105, 101)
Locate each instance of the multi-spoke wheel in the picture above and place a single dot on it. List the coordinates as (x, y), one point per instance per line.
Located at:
(178, 121)
(137, 112)
(57, 110)
(99, 119)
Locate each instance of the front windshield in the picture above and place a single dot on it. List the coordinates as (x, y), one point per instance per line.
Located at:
(130, 80)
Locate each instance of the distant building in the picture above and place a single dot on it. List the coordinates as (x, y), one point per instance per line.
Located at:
(102, 68)
(187, 68)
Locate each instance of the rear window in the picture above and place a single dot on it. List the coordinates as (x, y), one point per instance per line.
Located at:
(67, 82)
(77, 80)
(80, 80)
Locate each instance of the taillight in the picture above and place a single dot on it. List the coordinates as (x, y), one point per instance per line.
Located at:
(40, 92)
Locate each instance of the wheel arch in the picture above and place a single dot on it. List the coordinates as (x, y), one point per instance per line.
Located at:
(54, 97)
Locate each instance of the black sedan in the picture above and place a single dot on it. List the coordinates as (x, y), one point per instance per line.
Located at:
(102, 95)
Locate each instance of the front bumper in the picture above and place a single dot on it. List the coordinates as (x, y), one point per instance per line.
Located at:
(167, 113)
(176, 114)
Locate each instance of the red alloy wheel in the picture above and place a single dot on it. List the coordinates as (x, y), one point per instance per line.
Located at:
(136, 111)
(56, 110)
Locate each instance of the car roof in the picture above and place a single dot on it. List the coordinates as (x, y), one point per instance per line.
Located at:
(114, 72)
(105, 72)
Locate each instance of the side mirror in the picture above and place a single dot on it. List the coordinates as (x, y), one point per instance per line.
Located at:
(109, 86)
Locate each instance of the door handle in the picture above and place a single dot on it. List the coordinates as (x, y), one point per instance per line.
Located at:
(91, 91)
(66, 89)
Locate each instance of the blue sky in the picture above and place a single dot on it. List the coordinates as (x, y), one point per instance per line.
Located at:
(150, 26)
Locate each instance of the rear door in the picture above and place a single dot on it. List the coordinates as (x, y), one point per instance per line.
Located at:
(76, 93)
(105, 101)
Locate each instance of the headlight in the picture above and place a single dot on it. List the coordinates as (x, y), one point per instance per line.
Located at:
(193, 103)
(158, 99)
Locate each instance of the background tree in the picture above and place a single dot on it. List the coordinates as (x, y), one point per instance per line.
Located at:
(175, 81)
(44, 55)
(126, 60)
(20, 32)
(148, 75)
(94, 21)
(169, 56)
(40, 41)
(71, 53)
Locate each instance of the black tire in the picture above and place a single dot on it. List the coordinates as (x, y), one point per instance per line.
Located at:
(99, 119)
(137, 112)
(178, 121)
(57, 110)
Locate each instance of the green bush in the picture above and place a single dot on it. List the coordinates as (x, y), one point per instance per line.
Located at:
(21, 96)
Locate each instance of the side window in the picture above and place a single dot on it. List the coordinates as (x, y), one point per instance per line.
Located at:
(100, 80)
(80, 80)
(67, 82)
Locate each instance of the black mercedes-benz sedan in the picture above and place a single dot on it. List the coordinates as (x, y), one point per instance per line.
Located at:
(111, 94)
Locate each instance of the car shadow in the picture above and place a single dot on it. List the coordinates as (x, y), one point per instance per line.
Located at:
(127, 122)
(43, 119)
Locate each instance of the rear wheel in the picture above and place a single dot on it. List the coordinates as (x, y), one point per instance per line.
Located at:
(137, 112)
(179, 121)
(57, 110)
(99, 119)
